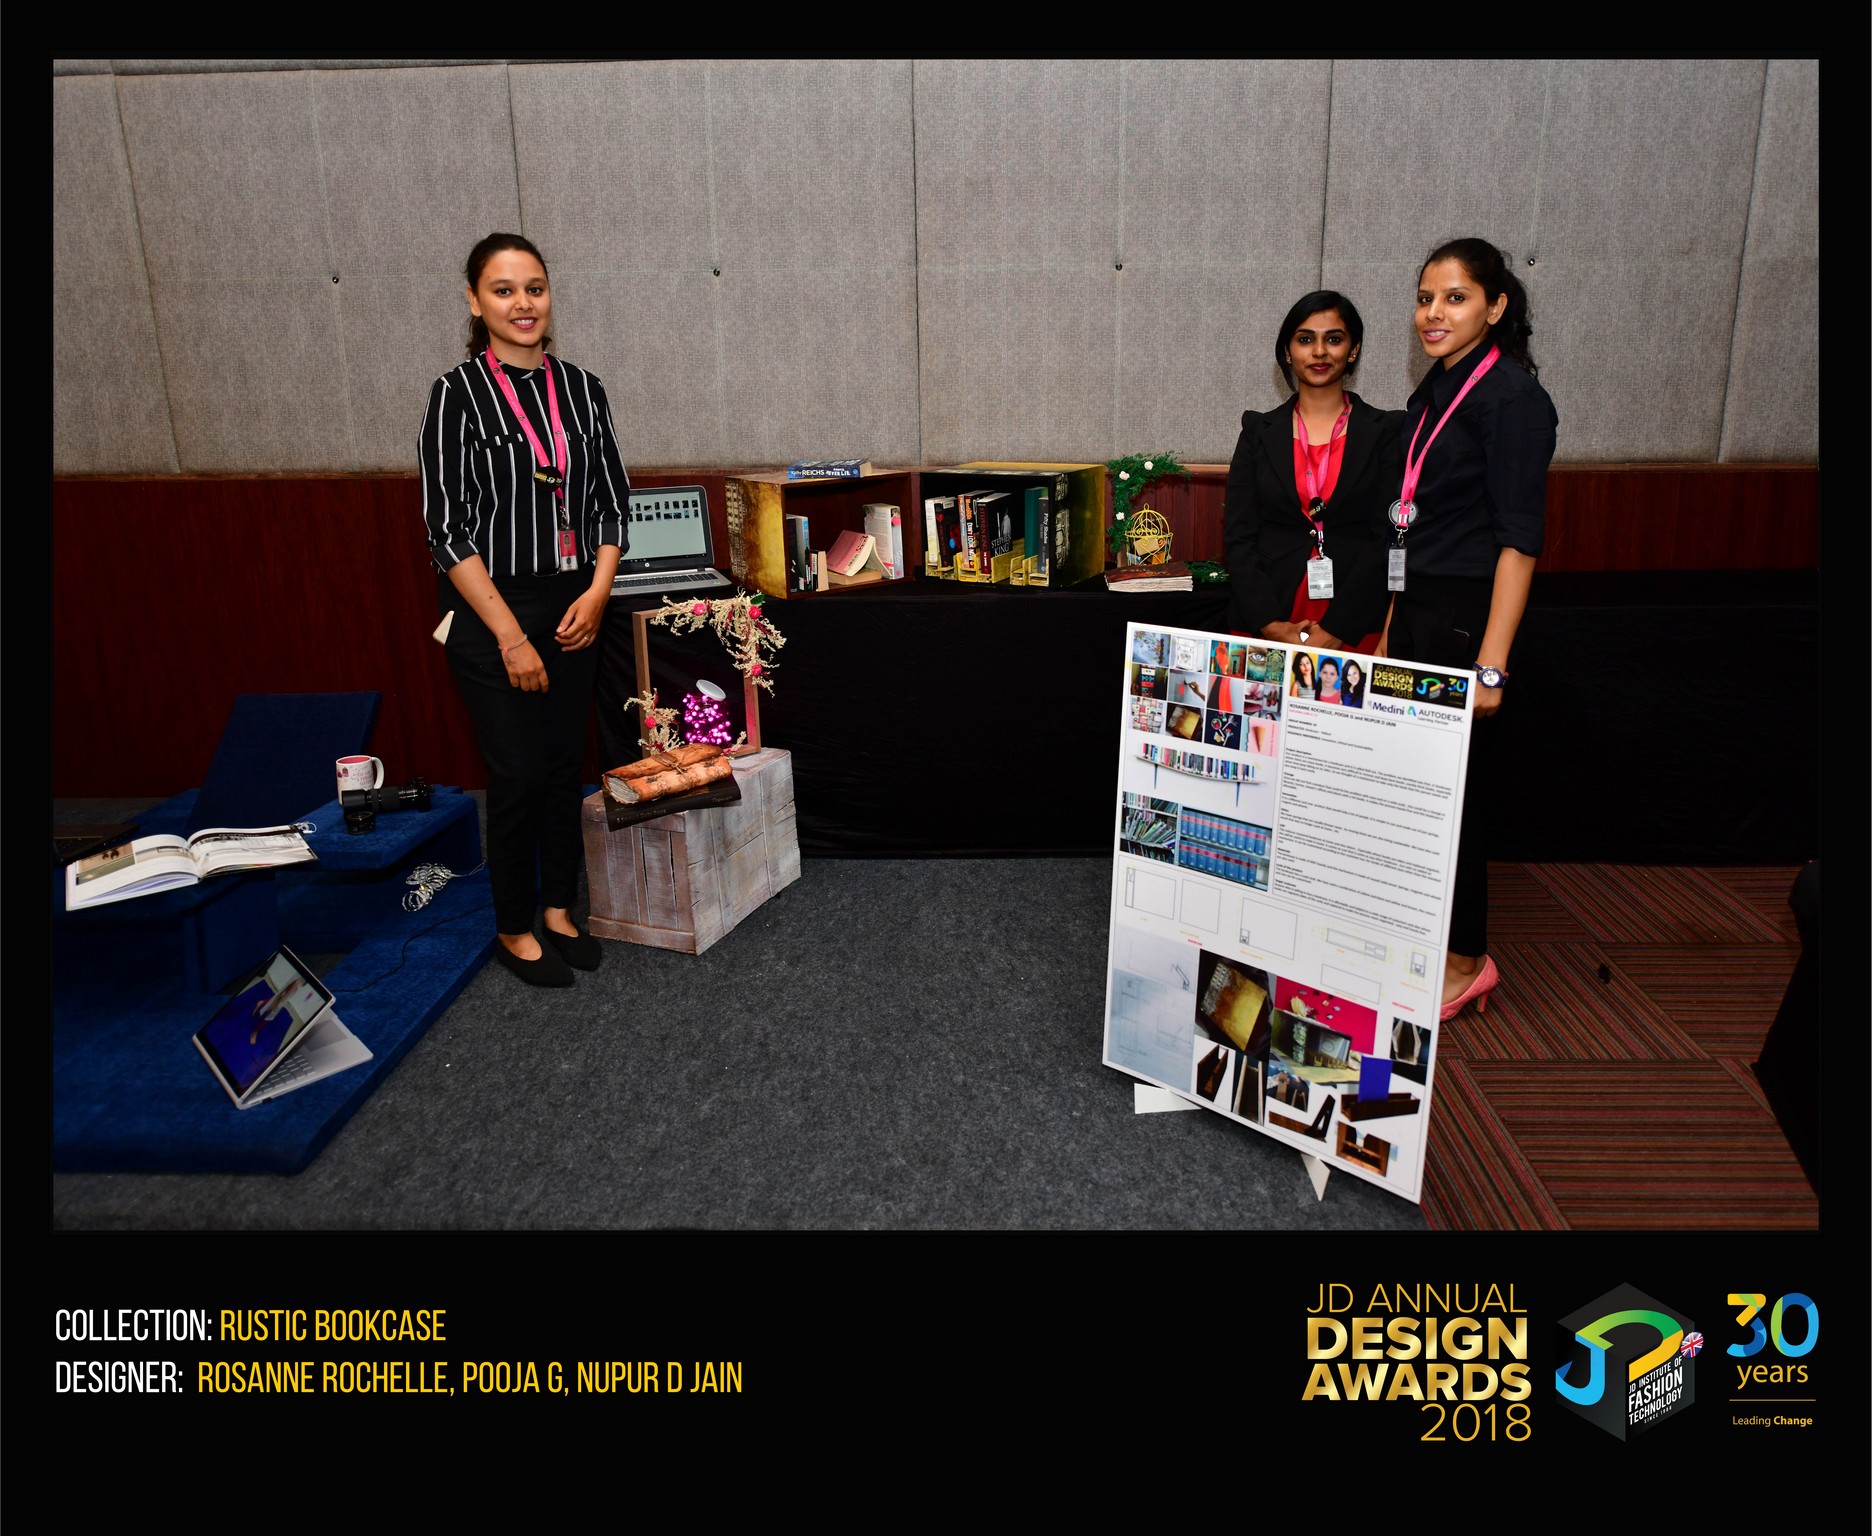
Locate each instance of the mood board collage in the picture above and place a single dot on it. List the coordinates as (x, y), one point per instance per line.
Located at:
(1306, 1023)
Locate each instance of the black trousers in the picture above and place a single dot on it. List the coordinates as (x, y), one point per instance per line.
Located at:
(1439, 621)
(532, 743)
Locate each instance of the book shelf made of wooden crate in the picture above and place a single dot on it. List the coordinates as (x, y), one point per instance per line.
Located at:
(757, 507)
(1085, 514)
(684, 881)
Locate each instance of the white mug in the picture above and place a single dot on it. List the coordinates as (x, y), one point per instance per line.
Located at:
(360, 773)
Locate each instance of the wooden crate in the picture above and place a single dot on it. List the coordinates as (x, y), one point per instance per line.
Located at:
(683, 881)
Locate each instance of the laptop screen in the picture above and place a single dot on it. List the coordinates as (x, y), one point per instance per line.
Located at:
(669, 530)
(263, 1020)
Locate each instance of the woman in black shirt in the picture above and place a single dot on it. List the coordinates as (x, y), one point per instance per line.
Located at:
(1479, 493)
(524, 501)
(1309, 476)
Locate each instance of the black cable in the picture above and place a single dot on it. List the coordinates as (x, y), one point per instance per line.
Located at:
(403, 953)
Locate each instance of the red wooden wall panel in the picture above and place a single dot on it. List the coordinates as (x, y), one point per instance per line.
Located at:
(172, 594)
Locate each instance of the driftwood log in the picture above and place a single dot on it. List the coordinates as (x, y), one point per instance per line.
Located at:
(667, 773)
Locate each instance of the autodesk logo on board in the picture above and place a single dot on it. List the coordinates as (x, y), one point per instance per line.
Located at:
(1630, 1362)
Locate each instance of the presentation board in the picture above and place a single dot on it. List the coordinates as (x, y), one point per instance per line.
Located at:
(1284, 856)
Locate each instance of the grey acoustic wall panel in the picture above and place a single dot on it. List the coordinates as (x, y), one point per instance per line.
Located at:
(1018, 364)
(819, 366)
(916, 261)
(613, 165)
(1773, 400)
(1017, 163)
(741, 240)
(654, 339)
(394, 335)
(1017, 235)
(1197, 350)
(1644, 175)
(109, 411)
(812, 165)
(227, 176)
(255, 380)
(416, 166)
(231, 201)
(1423, 151)
(1222, 202)
(814, 193)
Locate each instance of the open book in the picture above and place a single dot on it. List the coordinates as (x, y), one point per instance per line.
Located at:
(161, 863)
(853, 559)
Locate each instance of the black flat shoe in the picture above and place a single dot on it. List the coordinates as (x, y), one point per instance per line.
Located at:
(547, 971)
(579, 950)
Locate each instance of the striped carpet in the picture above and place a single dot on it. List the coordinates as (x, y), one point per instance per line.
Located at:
(1610, 1084)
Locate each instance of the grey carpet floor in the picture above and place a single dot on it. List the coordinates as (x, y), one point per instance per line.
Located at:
(887, 1045)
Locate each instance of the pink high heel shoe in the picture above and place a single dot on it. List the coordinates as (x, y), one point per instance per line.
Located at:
(1477, 992)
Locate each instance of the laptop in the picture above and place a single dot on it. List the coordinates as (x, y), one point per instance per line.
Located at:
(276, 1033)
(671, 546)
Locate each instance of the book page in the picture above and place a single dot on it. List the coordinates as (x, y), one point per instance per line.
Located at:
(130, 869)
(218, 849)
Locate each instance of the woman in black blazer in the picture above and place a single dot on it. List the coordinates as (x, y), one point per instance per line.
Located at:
(1354, 453)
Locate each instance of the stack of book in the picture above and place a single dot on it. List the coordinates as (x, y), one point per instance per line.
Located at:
(996, 534)
(1171, 576)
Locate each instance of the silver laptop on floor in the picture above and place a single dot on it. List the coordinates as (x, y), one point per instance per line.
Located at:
(671, 546)
(276, 1033)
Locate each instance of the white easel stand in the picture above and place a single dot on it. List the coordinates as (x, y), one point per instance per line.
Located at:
(1149, 1100)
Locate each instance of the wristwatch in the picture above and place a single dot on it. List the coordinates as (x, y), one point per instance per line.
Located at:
(1491, 677)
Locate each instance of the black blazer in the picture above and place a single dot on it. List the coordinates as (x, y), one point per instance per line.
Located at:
(1267, 537)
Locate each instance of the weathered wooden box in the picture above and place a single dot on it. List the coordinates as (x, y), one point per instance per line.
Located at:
(682, 881)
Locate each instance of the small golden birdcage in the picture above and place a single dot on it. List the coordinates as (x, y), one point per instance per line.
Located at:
(1147, 536)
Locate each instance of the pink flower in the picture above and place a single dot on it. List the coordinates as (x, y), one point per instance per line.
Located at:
(755, 670)
(699, 608)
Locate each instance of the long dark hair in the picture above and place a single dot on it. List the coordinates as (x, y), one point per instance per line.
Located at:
(1312, 304)
(1489, 267)
(485, 251)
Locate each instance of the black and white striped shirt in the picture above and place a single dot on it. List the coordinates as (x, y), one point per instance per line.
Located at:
(479, 494)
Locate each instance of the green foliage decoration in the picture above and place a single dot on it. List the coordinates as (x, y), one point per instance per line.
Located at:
(1130, 474)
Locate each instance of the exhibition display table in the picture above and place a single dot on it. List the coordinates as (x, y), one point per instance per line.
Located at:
(931, 718)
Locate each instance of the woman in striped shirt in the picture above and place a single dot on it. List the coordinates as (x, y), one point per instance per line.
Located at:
(524, 498)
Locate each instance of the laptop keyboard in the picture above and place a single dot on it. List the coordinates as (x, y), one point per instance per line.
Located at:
(669, 581)
(289, 1071)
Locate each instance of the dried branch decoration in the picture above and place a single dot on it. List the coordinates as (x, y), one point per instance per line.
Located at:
(739, 622)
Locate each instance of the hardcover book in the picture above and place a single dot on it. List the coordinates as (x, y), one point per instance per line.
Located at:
(1171, 576)
(1037, 513)
(965, 563)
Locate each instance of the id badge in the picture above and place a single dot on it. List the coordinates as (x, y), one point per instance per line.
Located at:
(568, 550)
(1394, 570)
(1319, 577)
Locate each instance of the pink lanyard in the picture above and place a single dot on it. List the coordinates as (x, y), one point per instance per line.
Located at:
(550, 471)
(1316, 506)
(1405, 508)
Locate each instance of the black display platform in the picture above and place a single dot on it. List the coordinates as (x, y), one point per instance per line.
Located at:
(1653, 718)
